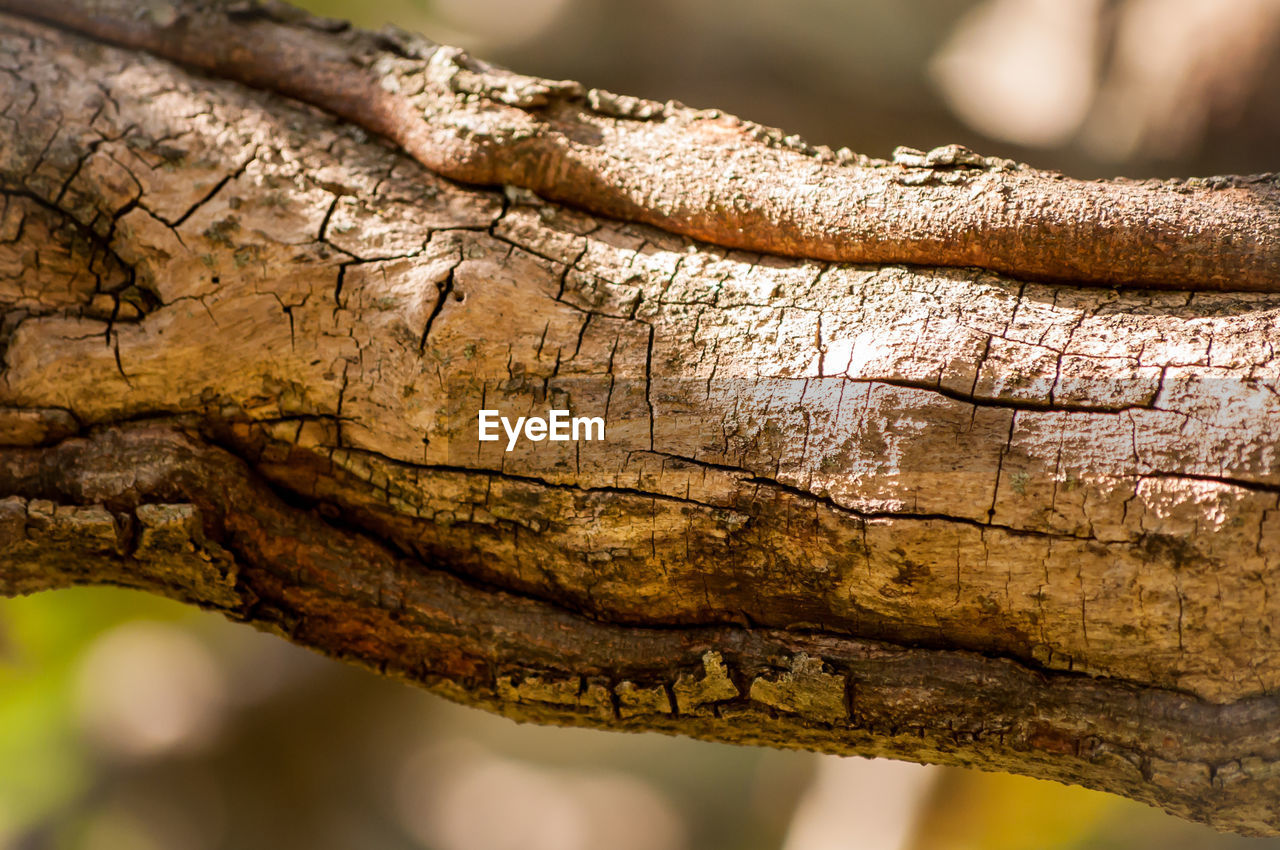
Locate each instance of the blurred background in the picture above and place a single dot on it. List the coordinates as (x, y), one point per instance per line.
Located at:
(130, 723)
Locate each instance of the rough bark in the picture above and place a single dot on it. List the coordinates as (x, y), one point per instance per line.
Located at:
(934, 513)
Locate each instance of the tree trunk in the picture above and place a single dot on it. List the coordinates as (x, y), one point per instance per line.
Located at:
(898, 458)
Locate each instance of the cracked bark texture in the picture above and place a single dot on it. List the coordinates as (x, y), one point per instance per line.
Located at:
(920, 511)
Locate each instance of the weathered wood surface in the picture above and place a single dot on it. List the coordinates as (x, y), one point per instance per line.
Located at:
(935, 513)
(708, 175)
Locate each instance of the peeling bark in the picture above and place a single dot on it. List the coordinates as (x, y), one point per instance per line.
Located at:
(952, 511)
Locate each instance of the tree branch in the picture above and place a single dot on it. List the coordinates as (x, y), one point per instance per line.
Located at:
(931, 513)
(758, 190)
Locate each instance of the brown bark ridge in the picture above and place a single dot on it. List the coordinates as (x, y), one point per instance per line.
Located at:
(932, 513)
(711, 176)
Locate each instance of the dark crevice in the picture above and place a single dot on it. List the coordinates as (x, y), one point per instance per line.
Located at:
(340, 519)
